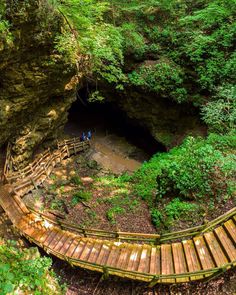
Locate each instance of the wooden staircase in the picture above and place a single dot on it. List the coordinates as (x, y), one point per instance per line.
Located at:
(209, 250)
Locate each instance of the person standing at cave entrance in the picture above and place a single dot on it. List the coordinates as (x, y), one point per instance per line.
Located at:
(83, 137)
(89, 136)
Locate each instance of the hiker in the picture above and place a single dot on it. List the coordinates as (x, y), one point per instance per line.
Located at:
(83, 137)
(89, 136)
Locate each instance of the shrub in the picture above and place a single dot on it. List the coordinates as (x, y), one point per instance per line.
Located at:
(156, 217)
(111, 213)
(133, 41)
(80, 196)
(76, 180)
(177, 208)
(24, 270)
(196, 169)
(165, 78)
(220, 114)
(174, 210)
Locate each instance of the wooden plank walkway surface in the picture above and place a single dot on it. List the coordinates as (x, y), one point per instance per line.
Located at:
(200, 257)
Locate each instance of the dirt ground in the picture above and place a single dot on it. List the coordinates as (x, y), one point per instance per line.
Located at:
(82, 282)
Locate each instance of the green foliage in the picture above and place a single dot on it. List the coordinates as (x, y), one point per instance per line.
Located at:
(89, 41)
(220, 114)
(111, 213)
(156, 217)
(5, 34)
(134, 43)
(177, 208)
(76, 180)
(174, 210)
(80, 196)
(96, 96)
(23, 270)
(56, 204)
(199, 168)
(164, 78)
(197, 40)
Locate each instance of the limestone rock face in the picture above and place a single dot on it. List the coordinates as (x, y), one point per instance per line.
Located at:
(35, 88)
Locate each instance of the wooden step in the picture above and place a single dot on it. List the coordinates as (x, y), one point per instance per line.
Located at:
(192, 260)
(226, 242)
(39, 233)
(113, 255)
(66, 245)
(215, 248)
(80, 247)
(231, 230)
(123, 257)
(180, 265)
(203, 253)
(61, 242)
(155, 261)
(44, 236)
(73, 245)
(55, 240)
(144, 261)
(136, 258)
(167, 266)
(94, 252)
(87, 249)
(103, 254)
(50, 238)
(133, 257)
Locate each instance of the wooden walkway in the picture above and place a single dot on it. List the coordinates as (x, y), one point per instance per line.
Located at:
(169, 258)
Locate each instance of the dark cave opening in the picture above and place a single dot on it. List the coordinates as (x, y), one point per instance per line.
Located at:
(107, 118)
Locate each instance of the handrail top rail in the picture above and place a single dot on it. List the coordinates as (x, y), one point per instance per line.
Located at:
(119, 234)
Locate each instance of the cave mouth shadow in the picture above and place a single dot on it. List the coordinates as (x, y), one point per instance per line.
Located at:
(108, 118)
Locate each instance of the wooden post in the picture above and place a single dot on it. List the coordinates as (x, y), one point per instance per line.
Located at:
(33, 182)
(157, 241)
(75, 147)
(154, 281)
(68, 152)
(84, 232)
(105, 275)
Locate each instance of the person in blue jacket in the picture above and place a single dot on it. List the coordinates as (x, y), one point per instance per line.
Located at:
(89, 136)
(83, 137)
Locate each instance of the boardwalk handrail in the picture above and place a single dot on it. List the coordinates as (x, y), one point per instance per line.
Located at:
(126, 274)
(69, 148)
(70, 144)
(156, 239)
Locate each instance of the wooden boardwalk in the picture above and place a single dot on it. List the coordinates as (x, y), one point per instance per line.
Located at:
(198, 253)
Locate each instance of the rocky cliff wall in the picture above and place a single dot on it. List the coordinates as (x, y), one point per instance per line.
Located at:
(35, 82)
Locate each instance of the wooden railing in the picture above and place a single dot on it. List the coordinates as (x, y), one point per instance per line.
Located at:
(156, 239)
(69, 147)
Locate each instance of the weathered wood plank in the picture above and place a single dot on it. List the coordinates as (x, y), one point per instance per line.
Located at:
(203, 253)
(155, 261)
(180, 265)
(167, 265)
(192, 258)
(95, 252)
(231, 230)
(226, 243)
(215, 248)
(86, 251)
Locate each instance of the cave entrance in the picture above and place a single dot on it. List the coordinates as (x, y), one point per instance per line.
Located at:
(106, 119)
